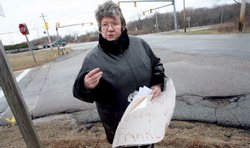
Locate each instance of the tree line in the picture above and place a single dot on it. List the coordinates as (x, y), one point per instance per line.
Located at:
(222, 14)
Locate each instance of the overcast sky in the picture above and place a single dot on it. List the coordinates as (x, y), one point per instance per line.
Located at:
(72, 12)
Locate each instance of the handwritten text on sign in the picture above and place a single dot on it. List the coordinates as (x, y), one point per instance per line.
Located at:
(145, 120)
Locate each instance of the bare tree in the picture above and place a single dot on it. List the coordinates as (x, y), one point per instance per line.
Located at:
(226, 15)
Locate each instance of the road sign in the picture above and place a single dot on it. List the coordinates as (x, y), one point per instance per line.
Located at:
(23, 29)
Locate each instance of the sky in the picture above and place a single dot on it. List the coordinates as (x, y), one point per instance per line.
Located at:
(68, 12)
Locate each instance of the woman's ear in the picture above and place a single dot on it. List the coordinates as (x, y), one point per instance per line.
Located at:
(123, 28)
(99, 29)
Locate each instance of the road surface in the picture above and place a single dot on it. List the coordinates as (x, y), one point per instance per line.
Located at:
(211, 74)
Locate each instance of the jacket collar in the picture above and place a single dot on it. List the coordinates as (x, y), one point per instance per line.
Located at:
(115, 47)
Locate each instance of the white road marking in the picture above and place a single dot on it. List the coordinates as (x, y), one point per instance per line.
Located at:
(18, 78)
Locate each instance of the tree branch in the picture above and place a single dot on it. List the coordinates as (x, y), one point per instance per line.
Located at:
(236, 2)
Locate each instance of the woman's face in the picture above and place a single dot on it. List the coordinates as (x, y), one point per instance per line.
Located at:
(111, 28)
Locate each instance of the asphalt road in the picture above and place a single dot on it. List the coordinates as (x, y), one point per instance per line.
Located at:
(211, 74)
(234, 45)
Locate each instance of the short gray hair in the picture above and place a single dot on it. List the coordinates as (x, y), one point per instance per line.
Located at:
(109, 9)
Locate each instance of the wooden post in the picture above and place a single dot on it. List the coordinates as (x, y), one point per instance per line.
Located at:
(15, 100)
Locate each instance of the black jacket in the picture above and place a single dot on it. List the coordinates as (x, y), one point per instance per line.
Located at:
(127, 64)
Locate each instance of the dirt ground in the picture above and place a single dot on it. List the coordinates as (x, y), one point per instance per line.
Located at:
(62, 131)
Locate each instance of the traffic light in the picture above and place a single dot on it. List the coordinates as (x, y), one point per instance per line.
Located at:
(134, 4)
(150, 10)
(46, 25)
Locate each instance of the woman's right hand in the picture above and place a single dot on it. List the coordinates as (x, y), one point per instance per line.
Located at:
(92, 78)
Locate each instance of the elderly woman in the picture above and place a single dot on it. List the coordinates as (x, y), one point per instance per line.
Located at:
(116, 67)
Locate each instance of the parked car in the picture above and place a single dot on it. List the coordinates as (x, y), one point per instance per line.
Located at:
(59, 43)
(35, 48)
(46, 45)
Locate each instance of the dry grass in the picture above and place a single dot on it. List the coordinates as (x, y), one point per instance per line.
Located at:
(25, 60)
(63, 131)
(227, 28)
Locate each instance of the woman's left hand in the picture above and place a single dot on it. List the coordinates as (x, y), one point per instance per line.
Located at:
(156, 90)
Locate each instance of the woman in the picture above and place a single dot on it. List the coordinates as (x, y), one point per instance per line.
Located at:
(116, 67)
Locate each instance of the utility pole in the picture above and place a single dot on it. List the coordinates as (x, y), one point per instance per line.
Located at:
(222, 15)
(242, 15)
(175, 19)
(156, 22)
(47, 29)
(184, 15)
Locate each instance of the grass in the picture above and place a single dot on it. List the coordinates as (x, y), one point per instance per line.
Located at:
(196, 32)
(226, 28)
(25, 60)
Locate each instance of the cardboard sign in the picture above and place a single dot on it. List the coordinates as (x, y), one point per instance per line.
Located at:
(146, 119)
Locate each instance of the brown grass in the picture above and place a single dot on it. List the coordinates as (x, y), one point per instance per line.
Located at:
(25, 60)
(226, 28)
(63, 131)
